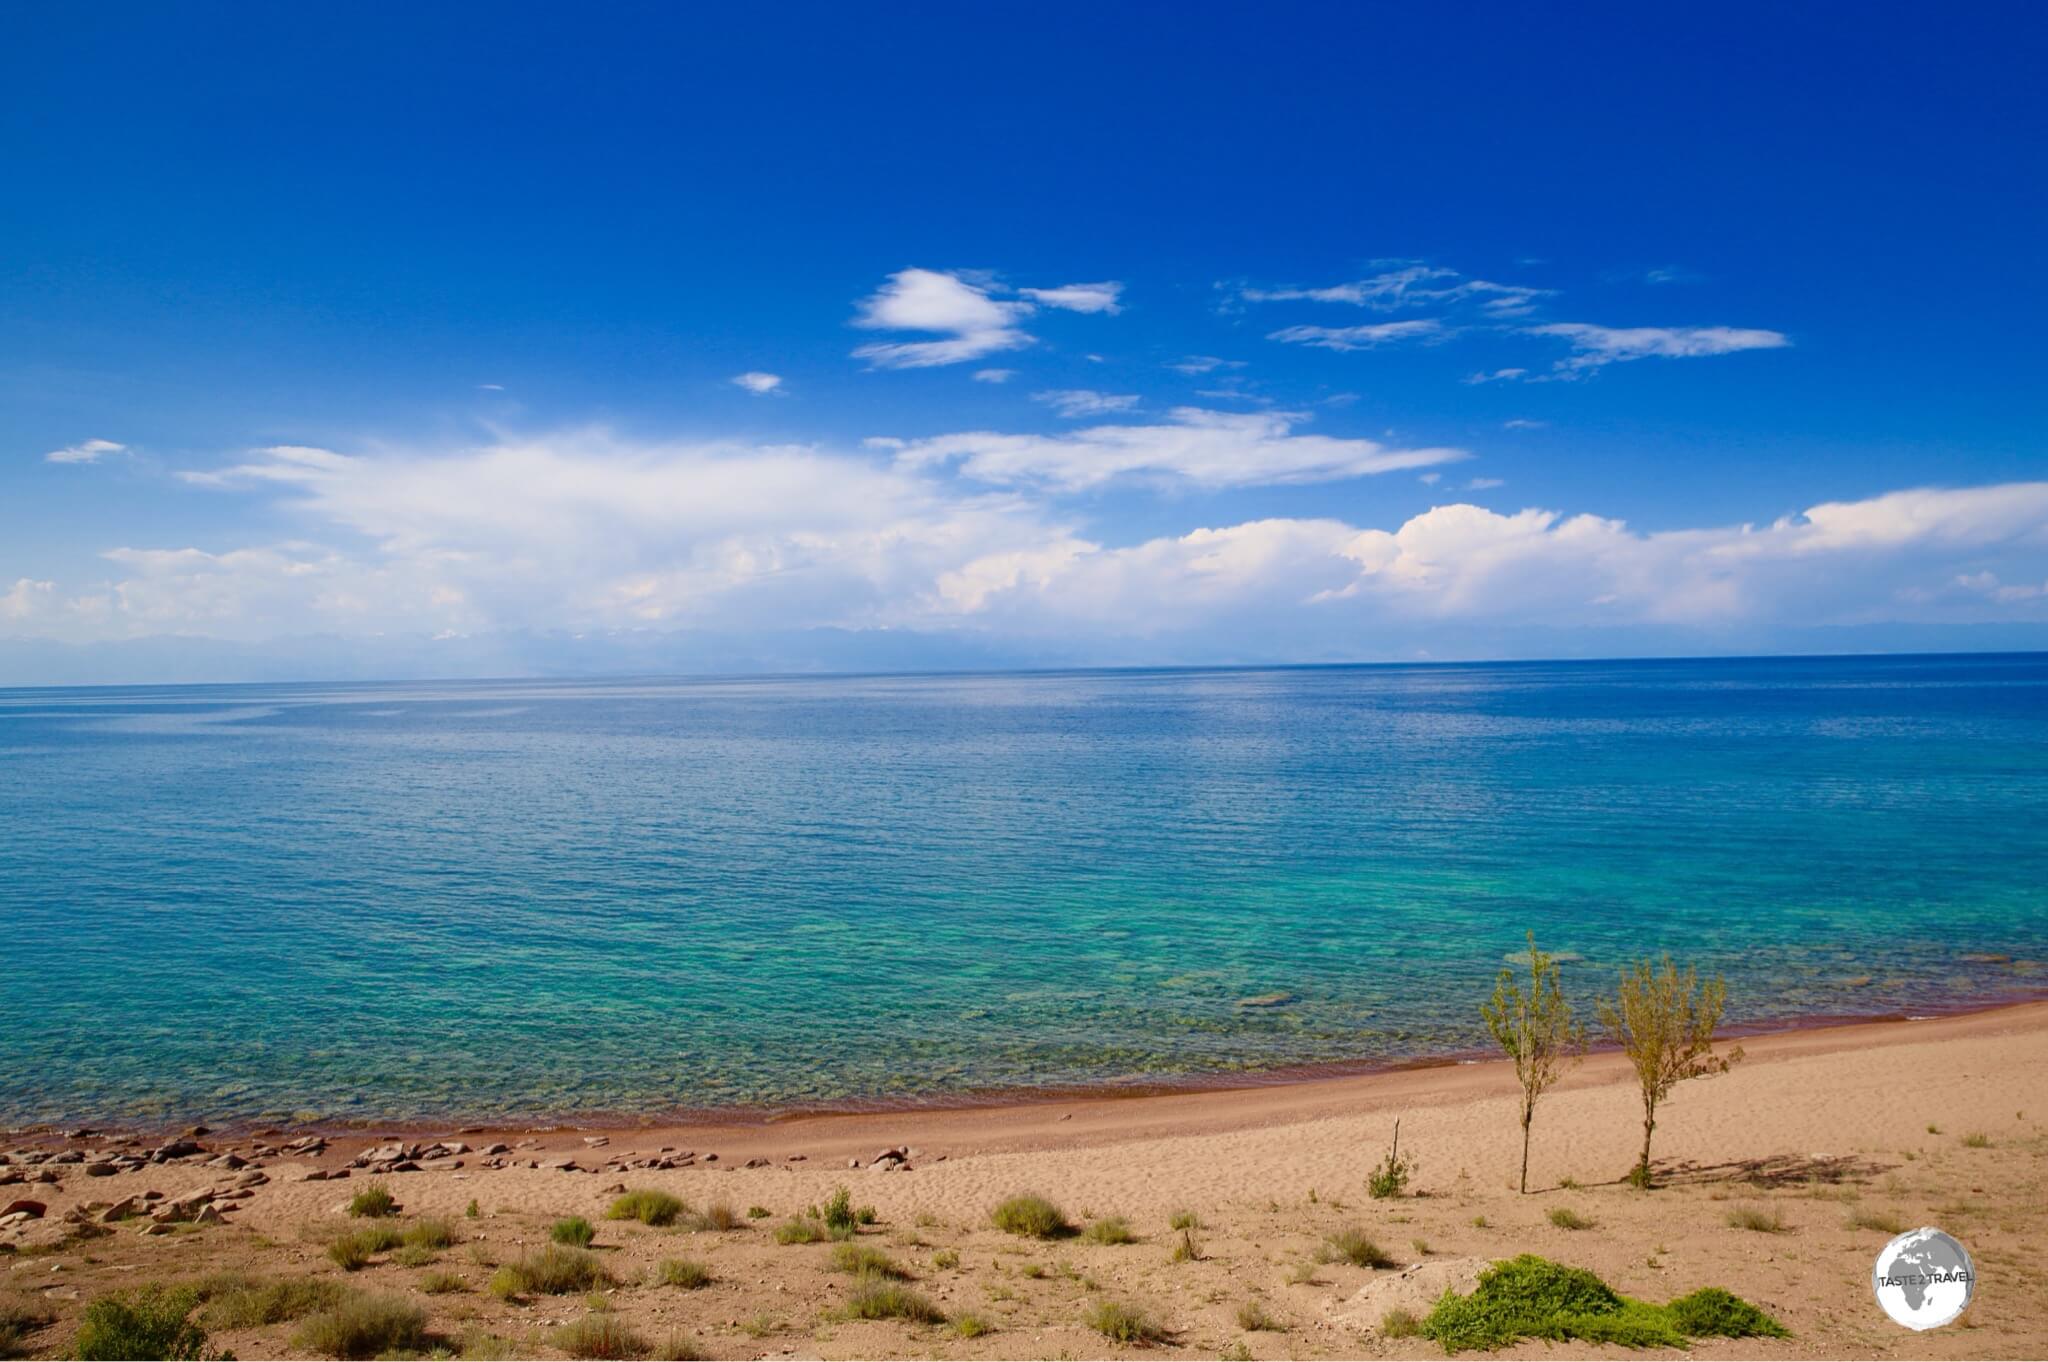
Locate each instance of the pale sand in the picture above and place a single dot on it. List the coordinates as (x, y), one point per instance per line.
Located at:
(1819, 1126)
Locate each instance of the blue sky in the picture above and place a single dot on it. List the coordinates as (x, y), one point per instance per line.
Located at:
(405, 340)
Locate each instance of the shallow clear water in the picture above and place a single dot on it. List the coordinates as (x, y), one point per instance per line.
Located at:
(523, 898)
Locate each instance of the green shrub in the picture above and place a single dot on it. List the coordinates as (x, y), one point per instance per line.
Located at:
(1565, 1218)
(1711, 1312)
(429, 1234)
(362, 1325)
(946, 1259)
(443, 1283)
(758, 1213)
(861, 1260)
(1886, 1222)
(648, 1206)
(879, 1298)
(554, 1271)
(1121, 1323)
(679, 1348)
(1186, 1249)
(573, 1231)
(601, 1336)
(355, 1249)
(1354, 1246)
(794, 1231)
(1531, 1297)
(971, 1325)
(717, 1216)
(687, 1273)
(235, 1300)
(414, 1255)
(473, 1210)
(1185, 1220)
(1253, 1319)
(839, 1212)
(1110, 1230)
(1390, 1177)
(1761, 1219)
(373, 1202)
(1976, 1139)
(150, 1323)
(1031, 1216)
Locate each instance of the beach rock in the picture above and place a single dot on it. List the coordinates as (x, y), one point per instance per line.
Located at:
(227, 1160)
(100, 1170)
(496, 1149)
(121, 1210)
(1416, 1290)
(1267, 1000)
(176, 1149)
(796, 1158)
(317, 1175)
(26, 1207)
(597, 1141)
(563, 1165)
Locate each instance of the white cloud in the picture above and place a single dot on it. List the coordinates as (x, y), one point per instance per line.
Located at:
(1360, 337)
(758, 383)
(85, 451)
(1412, 285)
(491, 387)
(994, 375)
(1484, 484)
(973, 322)
(964, 309)
(1074, 403)
(1079, 297)
(1207, 448)
(25, 598)
(1202, 364)
(1522, 423)
(1496, 376)
(1594, 346)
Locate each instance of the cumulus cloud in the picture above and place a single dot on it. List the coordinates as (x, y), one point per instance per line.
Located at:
(1594, 346)
(1206, 448)
(758, 383)
(85, 451)
(967, 311)
(1074, 403)
(26, 598)
(1367, 337)
(1101, 297)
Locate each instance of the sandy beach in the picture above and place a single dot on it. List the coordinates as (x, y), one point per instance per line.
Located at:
(1836, 1134)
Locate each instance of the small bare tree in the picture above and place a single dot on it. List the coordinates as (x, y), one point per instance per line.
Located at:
(1664, 1021)
(1535, 1027)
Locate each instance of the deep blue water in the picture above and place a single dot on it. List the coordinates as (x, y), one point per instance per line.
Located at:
(524, 898)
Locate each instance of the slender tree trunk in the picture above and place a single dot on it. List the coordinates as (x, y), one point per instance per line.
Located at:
(1527, 1115)
(1649, 1124)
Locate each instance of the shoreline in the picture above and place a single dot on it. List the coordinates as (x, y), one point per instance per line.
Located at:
(999, 1104)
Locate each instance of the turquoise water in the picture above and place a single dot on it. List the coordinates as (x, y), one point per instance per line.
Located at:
(529, 898)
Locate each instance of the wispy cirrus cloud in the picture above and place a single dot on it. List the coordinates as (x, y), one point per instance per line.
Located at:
(1074, 403)
(1368, 337)
(1596, 346)
(1206, 448)
(85, 451)
(1411, 285)
(1103, 297)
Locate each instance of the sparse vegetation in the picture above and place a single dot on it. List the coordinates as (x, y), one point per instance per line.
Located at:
(646, 1205)
(1253, 1319)
(877, 1297)
(373, 1202)
(1122, 1323)
(758, 1213)
(1536, 1030)
(19, 1318)
(1186, 1220)
(946, 1259)
(861, 1260)
(799, 1231)
(1355, 1247)
(600, 1336)
(1664, 1021)
(1887, 1222)
(1110, 1230)
(840, 1218)
(1399, 1323)
(1565, 1218)
(1031, 1216)
(443, 1284)
(970, 1325)
(1761, 1219)
(150, 1323)
(721, 1217)
(687, 1273)
(363, 1325)
(679, 1348)
(572, 1230)
(354, 1250)
(1976, 1139)
(237, 1300)
(554, 1271)
(1390, 1178)
(1187, 1248)
(1531, 1297)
